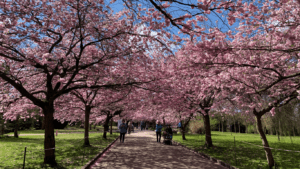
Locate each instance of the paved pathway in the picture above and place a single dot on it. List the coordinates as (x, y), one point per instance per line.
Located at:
(141, 151)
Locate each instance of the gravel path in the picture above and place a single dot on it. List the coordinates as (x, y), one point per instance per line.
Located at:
(140, 150)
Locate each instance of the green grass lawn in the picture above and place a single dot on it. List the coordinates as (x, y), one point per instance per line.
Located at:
(69, 129)
(247, 156)
(69, 150)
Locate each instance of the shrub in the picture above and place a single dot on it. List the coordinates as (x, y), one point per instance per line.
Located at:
(196, 126)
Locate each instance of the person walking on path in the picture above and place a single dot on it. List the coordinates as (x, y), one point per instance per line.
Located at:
(123, 130)
(130, 128)
(158, 131)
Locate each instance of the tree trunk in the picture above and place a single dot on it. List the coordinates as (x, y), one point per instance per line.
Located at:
(208, 140)
(277, 133)
(271, 131)
(280, 130)
(268, 151)
(219, 126)
(110, 132)
(239, 127)
(234, 126)
(49, 143)
(222, 126)
(106, 126)
(183, 130)
(43, 122)
(86, 126)
(16, 127)
(3, 128)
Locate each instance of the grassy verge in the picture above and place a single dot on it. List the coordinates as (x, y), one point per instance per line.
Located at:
(69, 150)
(66, 130)
(243, 155)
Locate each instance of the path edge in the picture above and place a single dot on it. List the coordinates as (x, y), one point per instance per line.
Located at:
(88, 165)
(206, 156)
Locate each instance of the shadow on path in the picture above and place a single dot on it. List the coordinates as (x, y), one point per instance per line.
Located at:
(140, 150)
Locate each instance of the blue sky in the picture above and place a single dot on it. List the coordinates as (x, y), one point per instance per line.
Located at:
(214, 20)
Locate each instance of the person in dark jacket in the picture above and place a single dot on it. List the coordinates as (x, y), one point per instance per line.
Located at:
(169, 130)
(123, 130)
(158, 131)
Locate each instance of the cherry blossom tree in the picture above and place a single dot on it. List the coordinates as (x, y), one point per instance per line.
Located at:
(259, 66)
(53, 48)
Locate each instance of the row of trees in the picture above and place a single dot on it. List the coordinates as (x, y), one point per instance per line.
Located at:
(283, 123)
(81, 60)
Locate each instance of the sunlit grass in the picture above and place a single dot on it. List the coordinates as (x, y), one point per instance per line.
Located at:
(69, 129)
(69, 150)
(247, 156)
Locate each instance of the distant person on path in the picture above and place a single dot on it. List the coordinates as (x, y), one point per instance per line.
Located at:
(142, 125)
(130, 127)
(158, 131)
(123, 130)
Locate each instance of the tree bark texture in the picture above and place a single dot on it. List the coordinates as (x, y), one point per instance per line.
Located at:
(208, 140)
(43, 123)
(110, 132)
(86, 125)
(16, 127)
(49, 143)
(268, 151)
(183, 130)
(106, 126)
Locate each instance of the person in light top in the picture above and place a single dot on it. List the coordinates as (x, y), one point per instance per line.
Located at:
(158, 131)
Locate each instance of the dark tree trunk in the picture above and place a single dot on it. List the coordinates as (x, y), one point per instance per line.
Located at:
(43, 122)
(234, 126)
(106, 126)
(222, 126)
(16, 127)
(208, 140)
(265, 142)
(86, 126)
(49, 143)
(110, 132)
(183, 130)
(2, 128)
(280, 129)
(239, 127)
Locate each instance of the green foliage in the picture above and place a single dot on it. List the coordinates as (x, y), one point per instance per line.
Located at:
(251, 129)
(248, 156)
(196, 126)
(214, 123)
